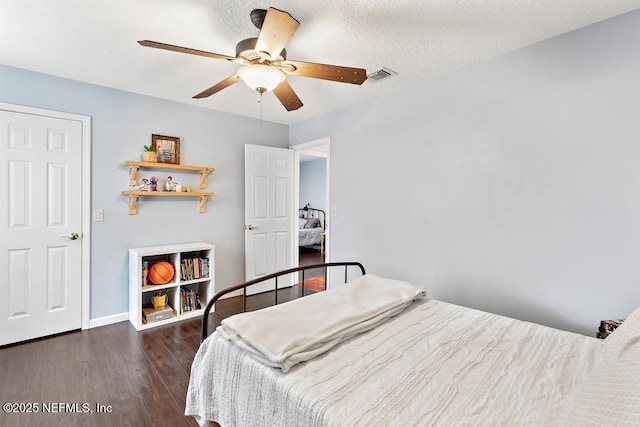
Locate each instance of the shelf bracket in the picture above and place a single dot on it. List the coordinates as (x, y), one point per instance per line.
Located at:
(133, 175)
(203, 178)
(202, 204)
(133, 205)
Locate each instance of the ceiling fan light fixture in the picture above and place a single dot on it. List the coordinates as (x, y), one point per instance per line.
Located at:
(261, 78)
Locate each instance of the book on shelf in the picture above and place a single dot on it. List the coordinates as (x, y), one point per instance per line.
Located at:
(145, 272)
(194, 268)
(189, 299)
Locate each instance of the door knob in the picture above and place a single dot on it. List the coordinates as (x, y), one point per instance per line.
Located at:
(249, 227)
(72, 236)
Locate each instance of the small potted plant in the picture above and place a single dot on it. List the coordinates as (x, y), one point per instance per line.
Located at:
(149, 154)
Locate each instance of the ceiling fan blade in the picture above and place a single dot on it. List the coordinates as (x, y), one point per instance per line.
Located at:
(218, 86)
(158, 45)
(335, 73)
(287, 96)
(277, 29)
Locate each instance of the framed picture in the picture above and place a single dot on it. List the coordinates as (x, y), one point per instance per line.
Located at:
(167, 148)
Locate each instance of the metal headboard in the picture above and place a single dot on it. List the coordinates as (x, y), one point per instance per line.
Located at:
(310, 212)
(275, 276)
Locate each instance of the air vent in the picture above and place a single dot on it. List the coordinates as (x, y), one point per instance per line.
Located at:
(381, 74)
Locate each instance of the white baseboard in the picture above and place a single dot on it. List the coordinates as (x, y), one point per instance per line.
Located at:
(121, 317)
(108, 320)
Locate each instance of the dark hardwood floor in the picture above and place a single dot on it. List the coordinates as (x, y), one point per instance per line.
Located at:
(142, 376)
(309, 257)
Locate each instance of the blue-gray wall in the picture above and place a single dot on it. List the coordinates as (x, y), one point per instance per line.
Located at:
(122, 123)
(512, 186)
(313, 183)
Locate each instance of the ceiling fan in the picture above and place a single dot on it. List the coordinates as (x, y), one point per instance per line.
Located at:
(264, 60)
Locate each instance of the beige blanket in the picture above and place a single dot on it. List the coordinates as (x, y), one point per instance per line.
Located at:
(287, 334)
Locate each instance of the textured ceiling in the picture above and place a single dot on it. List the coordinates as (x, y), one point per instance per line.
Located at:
(95, 41)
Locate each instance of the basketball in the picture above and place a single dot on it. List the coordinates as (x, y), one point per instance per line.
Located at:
(160, 273)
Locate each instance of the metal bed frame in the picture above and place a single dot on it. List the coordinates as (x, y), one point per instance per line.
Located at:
(245, 285)
(310, 212)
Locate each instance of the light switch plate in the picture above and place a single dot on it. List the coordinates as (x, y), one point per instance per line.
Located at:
(98, 215)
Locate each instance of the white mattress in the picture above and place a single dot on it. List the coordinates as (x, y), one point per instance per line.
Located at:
(435, 364)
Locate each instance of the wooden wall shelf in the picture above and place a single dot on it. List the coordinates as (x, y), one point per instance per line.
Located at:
(133, 198)
(135, 166)
(134, 176)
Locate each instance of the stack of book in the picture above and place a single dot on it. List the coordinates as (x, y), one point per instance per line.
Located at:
(194, 268)
(189, 299)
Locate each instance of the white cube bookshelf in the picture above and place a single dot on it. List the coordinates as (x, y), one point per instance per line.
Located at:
(141, 291)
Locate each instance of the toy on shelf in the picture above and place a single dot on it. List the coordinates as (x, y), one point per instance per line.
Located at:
(169, 185)
(143, 186)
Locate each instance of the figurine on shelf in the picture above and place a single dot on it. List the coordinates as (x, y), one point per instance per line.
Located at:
(153, 182)
(143, 186)
(169, 185)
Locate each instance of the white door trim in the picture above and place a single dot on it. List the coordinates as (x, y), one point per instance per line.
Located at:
(86, 195)
(308, 148)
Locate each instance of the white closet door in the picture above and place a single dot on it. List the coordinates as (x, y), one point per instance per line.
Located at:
(40, 226)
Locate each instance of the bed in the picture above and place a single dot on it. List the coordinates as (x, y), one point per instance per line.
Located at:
(311, 226)
(433, 363)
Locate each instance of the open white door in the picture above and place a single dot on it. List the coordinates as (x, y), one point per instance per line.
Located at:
(270, 243)
(41, 227)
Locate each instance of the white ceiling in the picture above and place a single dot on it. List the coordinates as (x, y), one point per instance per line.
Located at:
(95, 41)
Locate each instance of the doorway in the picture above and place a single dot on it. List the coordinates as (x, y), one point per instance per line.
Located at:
(269, 249)
(313, 210)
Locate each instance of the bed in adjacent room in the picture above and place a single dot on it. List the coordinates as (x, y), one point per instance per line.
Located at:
(386, 355)
(311, 227)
